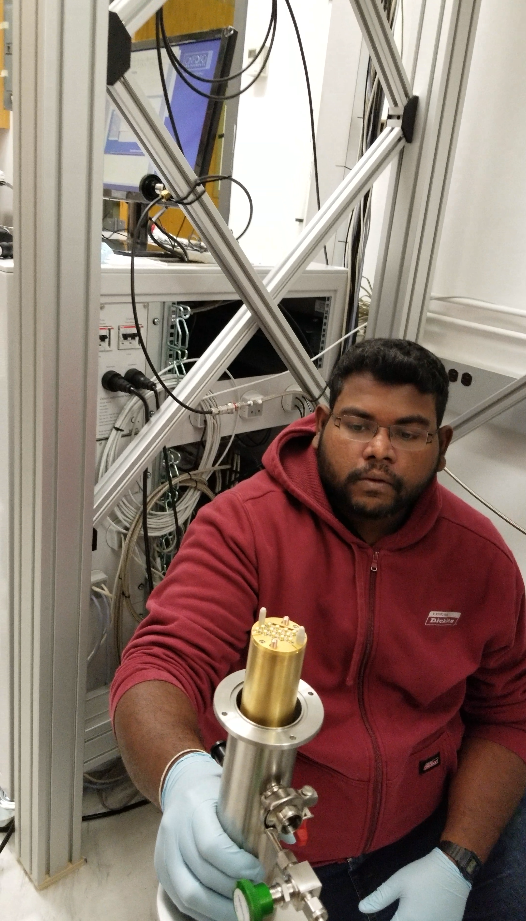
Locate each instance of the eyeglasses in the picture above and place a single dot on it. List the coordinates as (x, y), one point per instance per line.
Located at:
(407, 437)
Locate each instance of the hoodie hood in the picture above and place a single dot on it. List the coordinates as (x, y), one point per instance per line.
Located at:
(291, 460)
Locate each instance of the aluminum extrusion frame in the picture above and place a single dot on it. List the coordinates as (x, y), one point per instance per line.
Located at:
(152, 438)
(418, 187)
(157, 142)
(385, 56)
(60, 53)
(134, 13)
(487, 409)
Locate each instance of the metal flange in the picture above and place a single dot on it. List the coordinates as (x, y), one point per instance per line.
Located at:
(302, 729)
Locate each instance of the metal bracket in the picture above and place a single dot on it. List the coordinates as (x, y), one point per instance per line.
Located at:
(285, 808)
(119, 49)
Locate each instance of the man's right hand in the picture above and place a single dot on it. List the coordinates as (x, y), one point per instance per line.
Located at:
(198, 865)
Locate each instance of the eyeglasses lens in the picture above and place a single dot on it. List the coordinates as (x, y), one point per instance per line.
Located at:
(405, 437)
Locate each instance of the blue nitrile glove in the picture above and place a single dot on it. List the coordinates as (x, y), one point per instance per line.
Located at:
(106, 253)
(198, 865)
(429, 889)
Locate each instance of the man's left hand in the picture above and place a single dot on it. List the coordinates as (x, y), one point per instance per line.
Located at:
(429, 889)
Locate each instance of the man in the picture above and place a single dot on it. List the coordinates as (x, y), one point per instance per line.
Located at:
(414, 611)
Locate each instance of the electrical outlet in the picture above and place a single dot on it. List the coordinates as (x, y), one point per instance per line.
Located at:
(251, 405)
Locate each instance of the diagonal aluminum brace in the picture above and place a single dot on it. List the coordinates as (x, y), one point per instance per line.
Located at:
(179, 177)
(153, 437)
(487, 409)
(134, 13)
(387, 62)
(372, 21)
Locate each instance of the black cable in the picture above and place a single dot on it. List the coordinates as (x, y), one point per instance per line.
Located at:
(102, 815)
(150, 254)
(175, 242)
(147, 549)
(219, 98)
(171, 490)
(359, 222)
(297, 329)
(163, 79)
(142, 219)
(239, 73)
(204, 180)
(168, 250)
(145, 478)
(311, 113)
(9, 829)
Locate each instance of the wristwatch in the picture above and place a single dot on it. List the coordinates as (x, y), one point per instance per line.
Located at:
(467, 862)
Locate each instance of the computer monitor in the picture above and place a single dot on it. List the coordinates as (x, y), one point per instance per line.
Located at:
(207, 54)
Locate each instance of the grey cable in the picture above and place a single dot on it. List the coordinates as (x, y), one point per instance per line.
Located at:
(483, 501)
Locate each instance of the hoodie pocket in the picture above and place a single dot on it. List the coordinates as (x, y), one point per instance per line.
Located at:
(419, 787)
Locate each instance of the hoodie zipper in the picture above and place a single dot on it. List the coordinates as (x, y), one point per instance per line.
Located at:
(377, 778)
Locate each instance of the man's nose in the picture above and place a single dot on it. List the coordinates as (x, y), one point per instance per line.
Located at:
(380, 446)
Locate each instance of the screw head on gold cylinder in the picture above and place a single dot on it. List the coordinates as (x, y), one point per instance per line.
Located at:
(275, 660)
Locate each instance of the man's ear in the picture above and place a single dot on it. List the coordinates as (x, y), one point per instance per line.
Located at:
(445, 434)
(322, 414)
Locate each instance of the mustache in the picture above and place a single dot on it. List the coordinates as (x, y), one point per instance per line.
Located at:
(363, 472)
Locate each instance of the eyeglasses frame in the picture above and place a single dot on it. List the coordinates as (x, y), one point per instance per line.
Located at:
(337, 422)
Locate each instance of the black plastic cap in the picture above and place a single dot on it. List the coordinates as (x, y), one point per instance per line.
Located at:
(408, 118)
(119, 49)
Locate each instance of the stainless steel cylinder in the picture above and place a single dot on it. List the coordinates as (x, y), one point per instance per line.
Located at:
(257, 756)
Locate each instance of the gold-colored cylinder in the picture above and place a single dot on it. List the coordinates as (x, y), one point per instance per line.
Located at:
(275, 659)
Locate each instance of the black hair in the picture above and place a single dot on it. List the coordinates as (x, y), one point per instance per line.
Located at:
(393, 361)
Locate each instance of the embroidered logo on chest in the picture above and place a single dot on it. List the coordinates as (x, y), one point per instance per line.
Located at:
(446, 618)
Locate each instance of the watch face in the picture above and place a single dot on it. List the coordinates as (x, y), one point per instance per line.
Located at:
(467, 862)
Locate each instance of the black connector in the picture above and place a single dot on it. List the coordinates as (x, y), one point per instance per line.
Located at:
(112, 380)
(150, 186)
(139, 380)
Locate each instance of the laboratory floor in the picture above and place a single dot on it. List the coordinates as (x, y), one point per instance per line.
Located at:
(117, 883)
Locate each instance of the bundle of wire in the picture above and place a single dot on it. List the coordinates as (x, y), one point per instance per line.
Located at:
(127, 516)
(196, 482)
(131, 420)
(360, 220)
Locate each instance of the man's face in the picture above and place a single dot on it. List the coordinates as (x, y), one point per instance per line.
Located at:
(376, 481)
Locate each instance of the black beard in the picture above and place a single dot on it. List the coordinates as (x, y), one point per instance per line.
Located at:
(346, 509)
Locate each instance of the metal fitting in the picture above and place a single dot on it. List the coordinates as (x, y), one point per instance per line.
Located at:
(285, 808)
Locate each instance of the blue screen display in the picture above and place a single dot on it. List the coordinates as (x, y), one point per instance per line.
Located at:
(125, 162)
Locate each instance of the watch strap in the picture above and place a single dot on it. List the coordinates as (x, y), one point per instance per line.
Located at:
(467, 861)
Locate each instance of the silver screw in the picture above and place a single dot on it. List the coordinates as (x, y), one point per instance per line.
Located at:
(156, 321)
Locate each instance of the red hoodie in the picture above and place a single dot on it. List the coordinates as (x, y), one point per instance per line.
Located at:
(410, 642)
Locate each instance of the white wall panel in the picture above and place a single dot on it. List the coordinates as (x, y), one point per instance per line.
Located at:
(273, 153)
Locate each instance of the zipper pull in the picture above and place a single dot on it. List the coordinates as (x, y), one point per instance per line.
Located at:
(374, 564)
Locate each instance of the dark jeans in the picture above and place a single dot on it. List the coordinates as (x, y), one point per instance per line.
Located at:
(498, 894)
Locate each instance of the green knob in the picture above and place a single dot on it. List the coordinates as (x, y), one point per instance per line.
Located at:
(252, 901)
